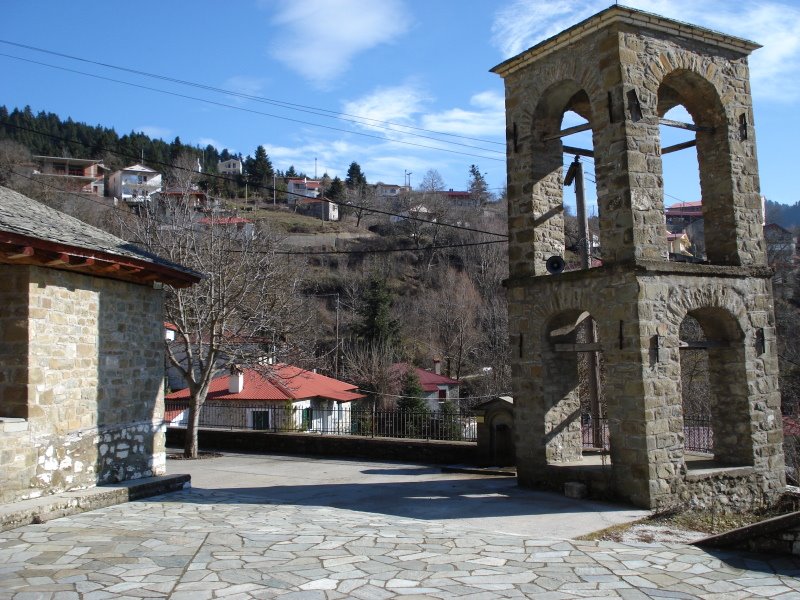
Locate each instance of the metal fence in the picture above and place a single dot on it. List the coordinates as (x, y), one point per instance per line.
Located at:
(426, 425)
(697, 433)
(339, 420)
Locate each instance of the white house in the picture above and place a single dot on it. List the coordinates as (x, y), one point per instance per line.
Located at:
(309, 188)
(390, 190)
(232, 166)
(135, 185)
(284, 398)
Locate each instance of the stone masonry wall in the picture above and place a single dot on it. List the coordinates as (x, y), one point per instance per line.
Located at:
(643, 381)
(94, 385)
(622, 80)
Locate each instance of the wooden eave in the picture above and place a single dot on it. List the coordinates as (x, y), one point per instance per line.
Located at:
(17, 249)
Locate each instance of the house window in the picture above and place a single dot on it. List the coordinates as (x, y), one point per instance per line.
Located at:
(442, 394)
(308, 418)
(260, 419)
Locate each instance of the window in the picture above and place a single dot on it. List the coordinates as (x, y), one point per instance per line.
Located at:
(260, 419)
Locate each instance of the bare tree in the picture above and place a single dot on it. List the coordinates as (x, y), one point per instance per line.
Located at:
(449, 316)
(359, 201)
(432, 182)
(13, 159)
(247, 303)
(370, 367)
(185, 172)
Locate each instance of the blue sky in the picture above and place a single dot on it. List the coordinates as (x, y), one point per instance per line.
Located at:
(420, 65)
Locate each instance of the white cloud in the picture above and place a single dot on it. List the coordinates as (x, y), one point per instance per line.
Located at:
(241, 84)
(487, 118)
(387, 156)
(332, 157)
(396, 105)
(320, 38)
(775, 69)
(156, 132)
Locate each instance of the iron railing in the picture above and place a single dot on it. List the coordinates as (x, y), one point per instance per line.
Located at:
(697, 433)
(429, 425)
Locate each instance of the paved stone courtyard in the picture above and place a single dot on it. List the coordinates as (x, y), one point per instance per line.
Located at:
(222, 543)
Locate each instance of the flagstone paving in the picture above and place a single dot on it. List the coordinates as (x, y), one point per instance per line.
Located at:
(204, 544)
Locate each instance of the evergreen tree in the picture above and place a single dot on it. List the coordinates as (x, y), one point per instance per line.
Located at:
(336, 190)
(450, 424)
(377, 325)
(412, 408)
(259, 169)
(411, 393)
(174, 149)
(478, 188)
(355, 180)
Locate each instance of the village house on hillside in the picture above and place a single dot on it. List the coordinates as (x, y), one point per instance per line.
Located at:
(82, 347)
(282, 397)
(437, 389)
(136, 185)
(83, 174)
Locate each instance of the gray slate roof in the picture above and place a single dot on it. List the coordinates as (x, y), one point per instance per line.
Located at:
(25, 216)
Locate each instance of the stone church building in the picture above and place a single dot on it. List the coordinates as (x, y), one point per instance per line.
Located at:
(81, 353)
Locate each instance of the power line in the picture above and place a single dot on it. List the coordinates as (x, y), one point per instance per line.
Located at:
(427, 398)
(279, 252)
(281, 103)
(260, 187)
(388, 250)
(274, 116)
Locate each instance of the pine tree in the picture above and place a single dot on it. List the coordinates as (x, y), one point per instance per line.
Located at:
(412, 408)
(259, 169)
(377, 325)
(478, 188)
(355, 180)
(336, 190)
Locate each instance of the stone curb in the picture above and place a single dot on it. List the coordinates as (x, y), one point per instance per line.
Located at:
(745, 536)
(39, 510)
(498, 471)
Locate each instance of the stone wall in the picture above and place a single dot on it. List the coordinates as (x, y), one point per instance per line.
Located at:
(640, 344)
(93, 383)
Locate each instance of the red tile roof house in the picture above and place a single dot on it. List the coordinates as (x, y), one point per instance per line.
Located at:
(81, 353)
(436, 387)
(281, 398)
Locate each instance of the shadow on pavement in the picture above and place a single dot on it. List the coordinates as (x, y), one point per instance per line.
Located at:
(435, 500)
(786, 566)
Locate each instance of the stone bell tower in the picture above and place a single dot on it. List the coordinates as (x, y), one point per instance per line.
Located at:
(622, 70)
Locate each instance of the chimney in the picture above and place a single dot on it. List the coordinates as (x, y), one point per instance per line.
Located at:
(437, 366)
(235, 380)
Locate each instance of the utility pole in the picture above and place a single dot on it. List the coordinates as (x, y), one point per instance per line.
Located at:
(575, 173)
(273, 188)
(336, 356)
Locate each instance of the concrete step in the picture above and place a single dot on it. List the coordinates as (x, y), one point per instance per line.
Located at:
(45, 508)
